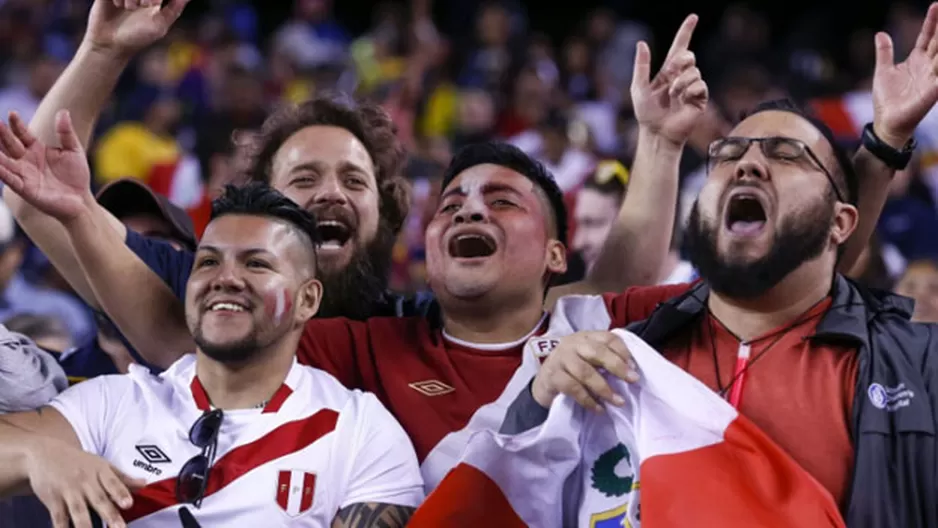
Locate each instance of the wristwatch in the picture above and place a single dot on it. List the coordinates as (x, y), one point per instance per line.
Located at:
(893, 158)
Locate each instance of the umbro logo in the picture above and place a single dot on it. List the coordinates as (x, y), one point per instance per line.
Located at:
(431, 387)
(152, 455)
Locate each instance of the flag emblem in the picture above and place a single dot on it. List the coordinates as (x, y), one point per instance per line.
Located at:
(295, 491)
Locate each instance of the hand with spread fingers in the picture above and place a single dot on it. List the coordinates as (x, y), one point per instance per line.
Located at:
(71, 483)
(904, 93)
(127, 26)
(55, 180)
(671, 103)
(572, 366)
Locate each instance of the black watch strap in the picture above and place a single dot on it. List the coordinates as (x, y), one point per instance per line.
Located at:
(892, 157)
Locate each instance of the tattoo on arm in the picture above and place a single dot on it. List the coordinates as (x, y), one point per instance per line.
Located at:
(372, 515)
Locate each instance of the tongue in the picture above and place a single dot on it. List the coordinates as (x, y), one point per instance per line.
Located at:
(744, 227)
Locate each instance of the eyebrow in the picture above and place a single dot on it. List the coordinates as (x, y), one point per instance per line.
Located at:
(486, 189)
(314, 166)
(244, 252)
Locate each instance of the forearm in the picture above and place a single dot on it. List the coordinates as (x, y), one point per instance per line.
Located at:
(83, 89)
(373, 515)
(14, 446)
(141, 305)
(874, 178)
(638, 242)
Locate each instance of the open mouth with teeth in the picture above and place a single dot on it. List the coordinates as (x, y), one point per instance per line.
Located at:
(472, 246)
(745, 215)
(227, 307)
(334, 234)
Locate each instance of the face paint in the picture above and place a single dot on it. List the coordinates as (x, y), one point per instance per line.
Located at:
(472, 187)
(278, 305)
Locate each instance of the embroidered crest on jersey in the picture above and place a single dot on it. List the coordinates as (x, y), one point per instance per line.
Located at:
(542, 346)
(431, 387)
(296, 491)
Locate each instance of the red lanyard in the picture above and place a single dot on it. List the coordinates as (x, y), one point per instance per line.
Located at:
(739, 374)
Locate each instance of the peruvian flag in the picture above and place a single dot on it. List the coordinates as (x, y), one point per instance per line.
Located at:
(295, 491)
(675, 454)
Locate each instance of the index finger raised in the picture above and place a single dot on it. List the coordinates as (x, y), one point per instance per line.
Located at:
(682, 38)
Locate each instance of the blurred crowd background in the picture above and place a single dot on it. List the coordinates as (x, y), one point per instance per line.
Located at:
(552, 79)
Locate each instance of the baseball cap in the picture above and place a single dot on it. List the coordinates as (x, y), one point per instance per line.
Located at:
(128, 196)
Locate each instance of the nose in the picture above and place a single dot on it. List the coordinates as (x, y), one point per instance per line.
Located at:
(470, 212)
(228, 278)
(752, 165)
(329, 191)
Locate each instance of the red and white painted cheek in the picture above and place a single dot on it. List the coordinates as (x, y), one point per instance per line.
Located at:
(278, 305)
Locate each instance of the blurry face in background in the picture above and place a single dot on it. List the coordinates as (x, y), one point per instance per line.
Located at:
(43, 75)
(576, 56)
(313, 10)
(920, 282)
(594, 215)
(164, 116)
(490, 238)
(494, 26)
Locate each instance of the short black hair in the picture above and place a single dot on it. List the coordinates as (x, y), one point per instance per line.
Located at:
(260, 199)
(845, 174)
(511, 157)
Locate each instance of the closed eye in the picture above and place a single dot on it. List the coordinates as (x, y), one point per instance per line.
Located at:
(258, 264)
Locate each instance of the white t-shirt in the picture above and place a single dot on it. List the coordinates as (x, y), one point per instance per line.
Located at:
(315, 448)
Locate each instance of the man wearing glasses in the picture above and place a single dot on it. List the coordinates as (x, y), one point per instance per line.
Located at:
(833, 373)
(237, 434)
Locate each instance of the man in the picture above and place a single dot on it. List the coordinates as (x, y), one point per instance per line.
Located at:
(237, 417)
(597, 203)
(339, 161)
(836, 375)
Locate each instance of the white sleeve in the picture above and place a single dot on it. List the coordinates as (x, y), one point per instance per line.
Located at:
(91, 408)
(383, 464)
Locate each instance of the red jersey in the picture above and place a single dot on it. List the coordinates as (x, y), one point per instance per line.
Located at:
(435, 385)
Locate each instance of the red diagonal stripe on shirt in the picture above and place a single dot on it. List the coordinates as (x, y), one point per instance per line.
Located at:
(284, 440)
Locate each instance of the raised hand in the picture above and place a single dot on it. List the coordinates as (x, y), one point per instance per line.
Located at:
(127, 26)
(56, 181)
(671, 103)
(903, 93)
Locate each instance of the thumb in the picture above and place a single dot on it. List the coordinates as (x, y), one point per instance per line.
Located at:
(884, 50)
(642, 68)
(66, 132)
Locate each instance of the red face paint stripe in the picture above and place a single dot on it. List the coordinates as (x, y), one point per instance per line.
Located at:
(284, 440)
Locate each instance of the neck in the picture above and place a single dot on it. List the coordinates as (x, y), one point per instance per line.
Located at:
(246, 384)
(670, 264)
(484, 325)
(751, 318)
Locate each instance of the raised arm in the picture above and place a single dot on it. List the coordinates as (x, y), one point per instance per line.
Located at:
(903, 94)
(56, 183)
(667, 107)
(114, 35)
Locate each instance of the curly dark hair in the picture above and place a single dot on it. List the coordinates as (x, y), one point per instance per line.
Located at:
(369, 123)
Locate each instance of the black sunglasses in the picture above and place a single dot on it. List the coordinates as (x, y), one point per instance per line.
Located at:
(192, 479)
(775, 147)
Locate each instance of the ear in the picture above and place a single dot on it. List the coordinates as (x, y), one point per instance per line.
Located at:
(308, 297)
(846, 217)
(556, 257)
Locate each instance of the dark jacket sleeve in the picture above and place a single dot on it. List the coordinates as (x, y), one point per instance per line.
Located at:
(524, 413)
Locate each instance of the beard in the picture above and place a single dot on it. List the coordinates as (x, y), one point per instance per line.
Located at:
(238, 351)
(800, 237)
(355, 291)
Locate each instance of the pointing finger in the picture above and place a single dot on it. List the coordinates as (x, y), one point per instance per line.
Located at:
(682, 38)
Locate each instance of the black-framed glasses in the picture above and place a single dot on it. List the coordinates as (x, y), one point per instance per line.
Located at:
(774, 147)
(193, 477)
